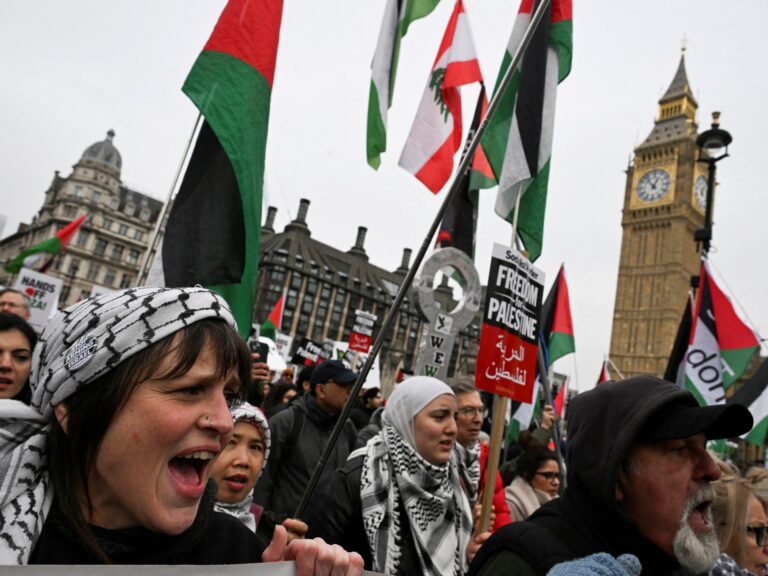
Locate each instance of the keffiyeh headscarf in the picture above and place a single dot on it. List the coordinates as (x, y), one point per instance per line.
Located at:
(436, 507)
(242, 510)
(77, 346)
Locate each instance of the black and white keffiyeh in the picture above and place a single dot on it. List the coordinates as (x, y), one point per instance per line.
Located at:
(77, 346)
(242, 510)
(468, 462)
(436, 507)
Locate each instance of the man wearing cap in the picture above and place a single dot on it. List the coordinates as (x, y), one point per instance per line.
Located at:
(299, 436)
(638, 483)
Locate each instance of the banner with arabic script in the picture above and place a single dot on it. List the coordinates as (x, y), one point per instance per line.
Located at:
(509, 336)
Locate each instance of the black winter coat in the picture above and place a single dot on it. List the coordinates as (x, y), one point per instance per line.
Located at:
(603, 426)
(295, 450)
(213, 538)
(336, 516)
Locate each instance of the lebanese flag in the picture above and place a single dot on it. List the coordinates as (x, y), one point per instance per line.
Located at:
(213, 232)
(435, 136)
(557, 326)
(272, 324)
(721, 345)
(53, 245)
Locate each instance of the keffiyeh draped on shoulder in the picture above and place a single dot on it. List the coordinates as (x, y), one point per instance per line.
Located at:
(77, 346)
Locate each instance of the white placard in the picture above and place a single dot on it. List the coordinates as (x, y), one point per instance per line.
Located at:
(43, 291)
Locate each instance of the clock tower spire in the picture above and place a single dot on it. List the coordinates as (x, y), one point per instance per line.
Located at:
(663, 206)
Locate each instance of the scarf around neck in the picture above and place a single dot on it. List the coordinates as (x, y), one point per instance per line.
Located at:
(77, 346)
(436, 508)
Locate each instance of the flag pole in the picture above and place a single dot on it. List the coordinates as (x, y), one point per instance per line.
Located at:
(497, 420)
(149, 256)
(621, 376)
(425, 246)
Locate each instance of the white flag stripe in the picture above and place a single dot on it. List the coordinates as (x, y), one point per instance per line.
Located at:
(382, 59)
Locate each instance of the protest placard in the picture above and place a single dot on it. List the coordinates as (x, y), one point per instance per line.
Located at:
(43, 292)
(361, 336)
(509, 336)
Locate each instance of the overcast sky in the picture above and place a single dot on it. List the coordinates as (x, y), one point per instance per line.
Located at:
(73, 70)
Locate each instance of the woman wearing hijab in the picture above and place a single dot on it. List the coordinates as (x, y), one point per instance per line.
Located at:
(398, 501)
(237, 469)
(17, 340)
(110, 463)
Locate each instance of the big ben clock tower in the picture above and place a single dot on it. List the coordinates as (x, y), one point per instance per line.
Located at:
(663, 206)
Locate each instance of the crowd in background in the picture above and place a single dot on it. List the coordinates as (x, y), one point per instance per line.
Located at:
(402, 487)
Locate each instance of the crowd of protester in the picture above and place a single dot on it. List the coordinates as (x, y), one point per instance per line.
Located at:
(127, 439)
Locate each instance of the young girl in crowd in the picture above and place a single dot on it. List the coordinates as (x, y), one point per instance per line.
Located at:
(398, 501)
(110, 463)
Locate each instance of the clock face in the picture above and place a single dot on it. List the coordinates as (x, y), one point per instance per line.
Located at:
(654, 185)
(700, 192)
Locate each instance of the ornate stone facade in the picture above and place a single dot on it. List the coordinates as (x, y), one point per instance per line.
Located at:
(106, 252)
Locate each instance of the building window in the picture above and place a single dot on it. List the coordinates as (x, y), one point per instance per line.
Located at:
(70, 211)
(114, 203)
(107, 225)
(133, 256)
(126, 281)
(96, 196)
(79, 191)
(122, 229)
(100, 248)
(130, 208)
(82, 238)
(138, 235)
(74, 267)
(93, 271)
(144, 214)
(117, 251)
(109, 277)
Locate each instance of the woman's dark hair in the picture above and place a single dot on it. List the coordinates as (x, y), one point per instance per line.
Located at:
(90, 410)
(531, 460)
(275, 397)
(10, 322)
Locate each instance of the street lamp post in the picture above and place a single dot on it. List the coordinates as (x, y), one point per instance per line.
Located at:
(715, 143)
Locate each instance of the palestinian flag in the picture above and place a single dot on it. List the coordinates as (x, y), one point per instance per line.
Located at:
(556, 324)
(522, 414)
(53, 245)
(675, 371)
(754, 395)
(398, 15)
(559, 401)
(605, 373)
(459, 222)
(519, 137)
(720, 347)
(271, 325)
(212, 235)
(435, 136)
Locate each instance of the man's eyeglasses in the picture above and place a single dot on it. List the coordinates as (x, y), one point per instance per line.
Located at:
(759, 532)
(550, 476)
(471, 412)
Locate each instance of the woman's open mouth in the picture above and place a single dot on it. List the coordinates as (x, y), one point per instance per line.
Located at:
(189, 472)
(237, 482)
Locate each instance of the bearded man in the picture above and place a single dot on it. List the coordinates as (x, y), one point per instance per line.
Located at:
(639, 481)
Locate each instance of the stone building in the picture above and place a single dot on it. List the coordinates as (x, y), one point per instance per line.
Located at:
(324, 286)
(664, 203)
(106, 252)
